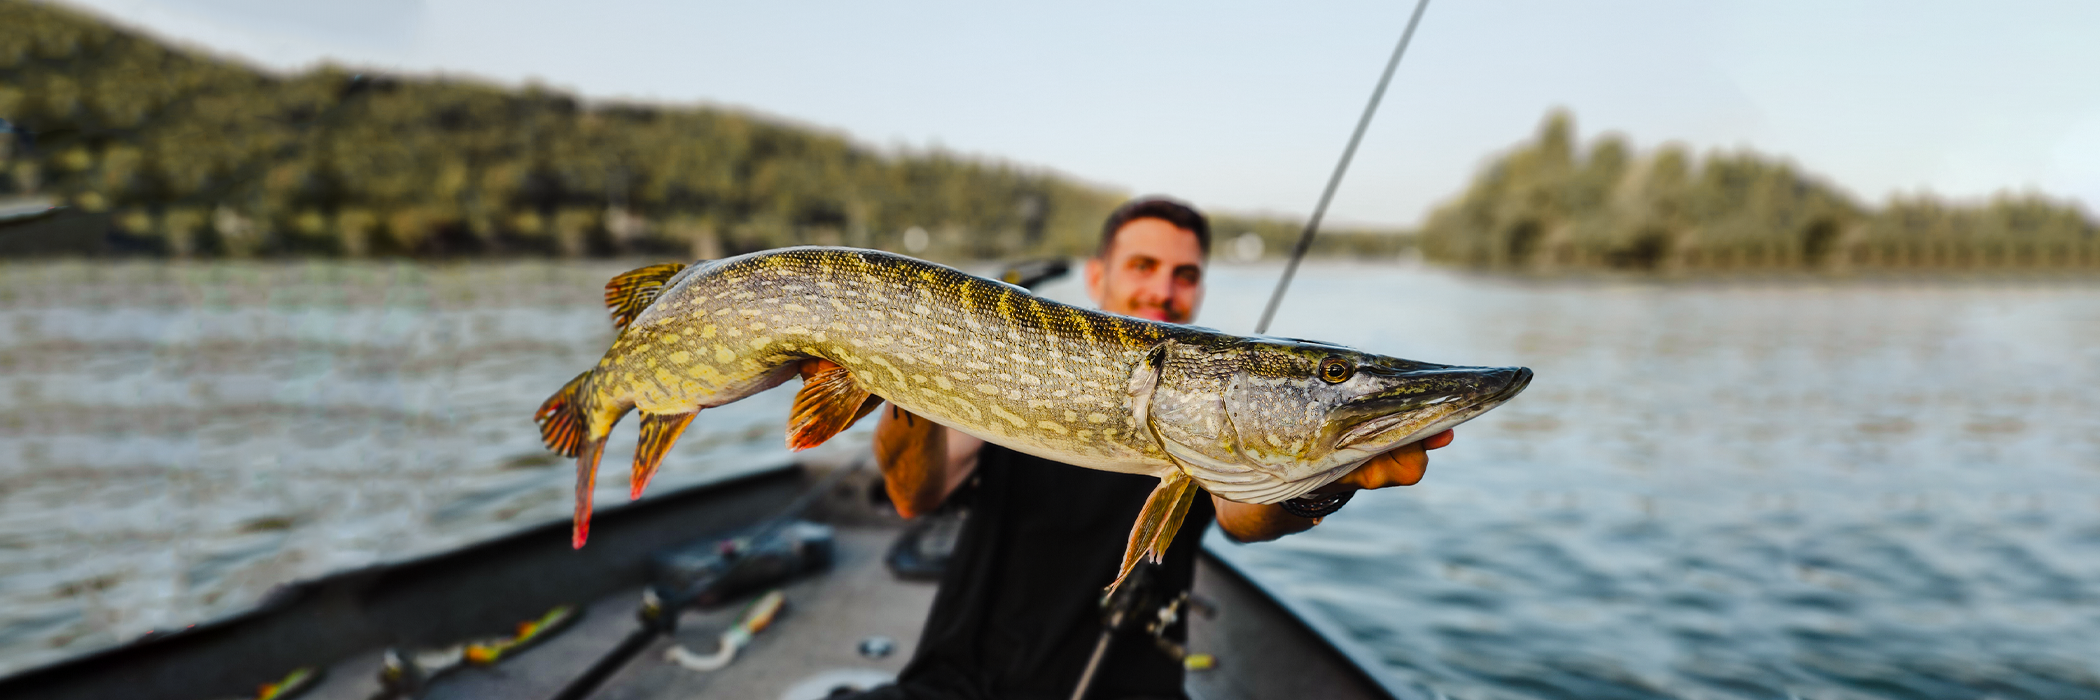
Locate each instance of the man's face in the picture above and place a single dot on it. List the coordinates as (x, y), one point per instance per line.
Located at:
(1153, 270)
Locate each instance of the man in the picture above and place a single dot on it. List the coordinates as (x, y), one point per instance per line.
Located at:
(1018, 611)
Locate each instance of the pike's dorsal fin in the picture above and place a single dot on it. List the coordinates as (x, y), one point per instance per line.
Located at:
(1157, 523)
(631, 291)
(659, 432)
(830, 402)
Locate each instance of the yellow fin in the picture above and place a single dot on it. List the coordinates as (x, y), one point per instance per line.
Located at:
(659, 432)
(630, 292)
(1157, 523)
(829, 402)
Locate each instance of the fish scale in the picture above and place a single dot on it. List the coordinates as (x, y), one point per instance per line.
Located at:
(1251, 419)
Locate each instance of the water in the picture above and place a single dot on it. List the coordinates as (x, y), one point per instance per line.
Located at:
(1761, 488)
(1772, 488)
(175, 441)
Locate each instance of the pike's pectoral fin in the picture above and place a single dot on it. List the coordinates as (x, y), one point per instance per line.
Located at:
(586, 481)
(631, 291)
(1157, 523)
(659, 432)
(830, 402)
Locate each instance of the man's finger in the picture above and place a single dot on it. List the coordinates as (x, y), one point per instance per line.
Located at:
(1404, 469)
(1439, 440)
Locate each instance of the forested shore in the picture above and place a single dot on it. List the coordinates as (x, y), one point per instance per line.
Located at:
(161, 151)
(1551, 204)
(189, 155)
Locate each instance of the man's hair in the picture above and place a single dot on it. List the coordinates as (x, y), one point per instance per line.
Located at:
(1172, 211)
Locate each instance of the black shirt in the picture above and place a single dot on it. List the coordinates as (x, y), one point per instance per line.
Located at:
(1019, 608)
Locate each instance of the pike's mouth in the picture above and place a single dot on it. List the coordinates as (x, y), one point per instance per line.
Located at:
(1405, 418)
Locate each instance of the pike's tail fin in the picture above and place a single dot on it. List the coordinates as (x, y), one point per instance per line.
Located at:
(561, 419)
(586, 482)
(565, 427)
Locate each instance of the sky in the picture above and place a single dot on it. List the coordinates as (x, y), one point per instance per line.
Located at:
(1245, 107)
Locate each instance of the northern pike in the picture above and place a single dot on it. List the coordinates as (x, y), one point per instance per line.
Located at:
(1252, 419)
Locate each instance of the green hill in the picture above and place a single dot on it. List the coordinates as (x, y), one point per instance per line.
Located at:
(183, 154)
(1544, 205)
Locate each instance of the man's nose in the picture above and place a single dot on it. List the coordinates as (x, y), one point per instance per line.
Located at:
(1160, 286)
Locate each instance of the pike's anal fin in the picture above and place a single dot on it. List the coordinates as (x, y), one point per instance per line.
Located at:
(631, 291)
(1157, 523)
(586, 481)
(830, 401)
(659, 432)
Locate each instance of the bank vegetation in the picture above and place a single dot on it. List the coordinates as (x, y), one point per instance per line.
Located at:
(170, 152)
(1551, 204)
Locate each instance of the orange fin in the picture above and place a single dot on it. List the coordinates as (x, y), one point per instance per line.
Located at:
(1157, 523)
(830, 402)
(561, 420)
(586, 481)
(659, 432)
(631, 291)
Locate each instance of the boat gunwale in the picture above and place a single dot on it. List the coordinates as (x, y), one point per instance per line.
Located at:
(394, 589)
(1364, 661)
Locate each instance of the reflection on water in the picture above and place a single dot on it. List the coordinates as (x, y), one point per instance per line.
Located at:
(1756, 489)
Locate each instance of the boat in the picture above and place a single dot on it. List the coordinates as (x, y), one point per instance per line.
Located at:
(566, 624)
(851, 624)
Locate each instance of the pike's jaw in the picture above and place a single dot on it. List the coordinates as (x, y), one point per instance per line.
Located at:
(1413, 420)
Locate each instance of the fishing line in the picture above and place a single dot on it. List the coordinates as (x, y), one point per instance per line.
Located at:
(1313, 225)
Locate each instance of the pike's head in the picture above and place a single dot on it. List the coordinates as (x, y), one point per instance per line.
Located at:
(1262, 420)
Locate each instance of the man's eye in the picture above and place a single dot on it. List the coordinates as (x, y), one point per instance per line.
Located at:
(1188, 276)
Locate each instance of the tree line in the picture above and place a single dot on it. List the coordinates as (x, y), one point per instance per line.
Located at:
(189, 155)
(172, 153)
(1549, 204)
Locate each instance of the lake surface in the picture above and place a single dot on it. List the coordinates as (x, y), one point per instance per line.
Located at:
(1769, 487)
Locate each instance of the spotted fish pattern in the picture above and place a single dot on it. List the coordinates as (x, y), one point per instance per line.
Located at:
(1251, 419)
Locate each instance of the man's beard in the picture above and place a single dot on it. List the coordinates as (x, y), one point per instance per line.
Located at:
(1168, 312)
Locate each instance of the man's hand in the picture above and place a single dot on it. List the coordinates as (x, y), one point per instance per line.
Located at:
(1403, 466)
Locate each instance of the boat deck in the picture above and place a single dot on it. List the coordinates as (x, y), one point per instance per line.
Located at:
(1264, 648)
(812, 649)
(815, 639)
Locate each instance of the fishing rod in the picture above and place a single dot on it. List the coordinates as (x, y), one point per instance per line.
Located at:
(1313, 225)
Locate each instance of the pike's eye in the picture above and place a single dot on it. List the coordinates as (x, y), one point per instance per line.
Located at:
(1335, 370)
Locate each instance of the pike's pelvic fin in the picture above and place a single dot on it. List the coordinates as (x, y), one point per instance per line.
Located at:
(561, 420)
(659, 432)
(830, 402)
(631, 291)
(1157, 523)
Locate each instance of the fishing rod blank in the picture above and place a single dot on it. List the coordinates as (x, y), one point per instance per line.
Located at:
(1313, 225)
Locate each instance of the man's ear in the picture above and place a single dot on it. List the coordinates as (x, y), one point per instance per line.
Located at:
(1096, 271)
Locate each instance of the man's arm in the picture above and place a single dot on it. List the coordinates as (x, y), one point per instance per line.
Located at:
(1247, 522)
(922, 461)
